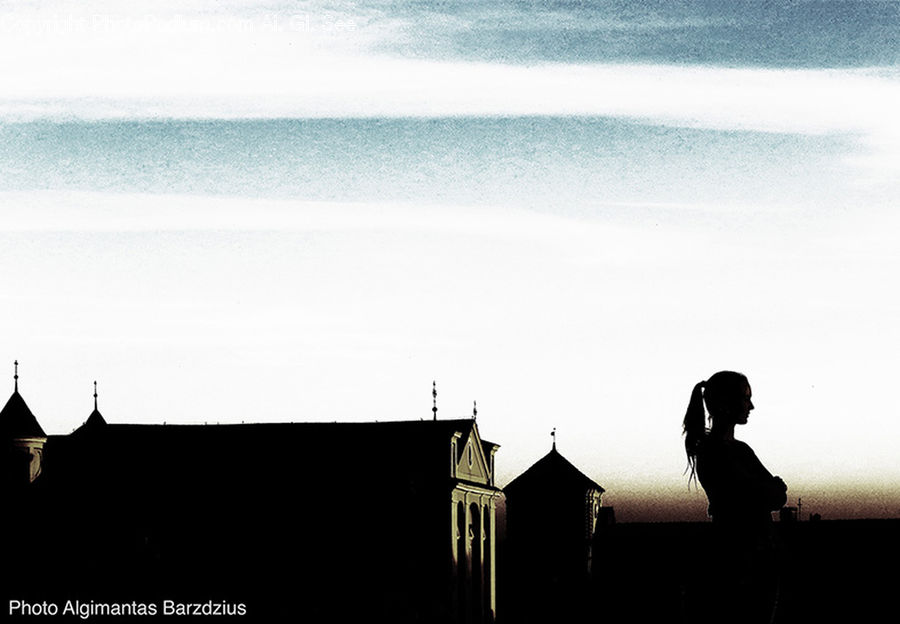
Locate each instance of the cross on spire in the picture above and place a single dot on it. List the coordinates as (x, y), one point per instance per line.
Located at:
(434, 399)
(95, 396)
(553, 435)
(474, 410)
(16, 376)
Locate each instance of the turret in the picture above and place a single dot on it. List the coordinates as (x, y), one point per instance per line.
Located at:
(22, 439)
(94, 421)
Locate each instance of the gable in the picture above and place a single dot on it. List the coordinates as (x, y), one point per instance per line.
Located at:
(471, 462)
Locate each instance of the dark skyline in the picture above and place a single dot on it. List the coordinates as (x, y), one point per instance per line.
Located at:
(332, 522)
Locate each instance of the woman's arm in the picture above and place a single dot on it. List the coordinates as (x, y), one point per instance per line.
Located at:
(736, 481)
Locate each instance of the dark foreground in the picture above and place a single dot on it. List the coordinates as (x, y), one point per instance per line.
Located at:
(827, 571)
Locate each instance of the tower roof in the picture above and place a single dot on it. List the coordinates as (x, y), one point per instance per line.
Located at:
(95, 418)
(94, 422)
(551, 471)
(17, 421)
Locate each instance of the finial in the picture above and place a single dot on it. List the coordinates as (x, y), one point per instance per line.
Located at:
(553, 435)
(95, 396)
(16, 375)
(474, 410)
(434, 398)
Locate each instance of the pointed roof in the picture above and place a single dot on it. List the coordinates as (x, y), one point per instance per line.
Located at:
(96, 418)
(551, 471)
(17, 421)
(94, 422)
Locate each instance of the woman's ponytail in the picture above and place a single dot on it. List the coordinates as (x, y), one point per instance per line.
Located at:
(694, 427)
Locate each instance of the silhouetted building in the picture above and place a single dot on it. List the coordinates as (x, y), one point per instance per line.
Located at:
(23, 441)
(325, 521)
(551, 514)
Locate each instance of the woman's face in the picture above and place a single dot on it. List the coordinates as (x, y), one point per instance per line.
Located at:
(744, 406)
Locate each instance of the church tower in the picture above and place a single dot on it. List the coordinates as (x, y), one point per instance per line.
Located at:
(551, 514)
(22, 440)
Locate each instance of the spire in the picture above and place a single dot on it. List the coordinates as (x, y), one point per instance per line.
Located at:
(95, 419)
(553, 435)
(434, 399)
(16, 420)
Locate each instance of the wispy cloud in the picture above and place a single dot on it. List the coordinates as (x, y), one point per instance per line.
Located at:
(321, 59)
(273, 80)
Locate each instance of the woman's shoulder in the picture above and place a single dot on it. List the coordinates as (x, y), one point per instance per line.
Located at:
(714, 449)
(716, 443)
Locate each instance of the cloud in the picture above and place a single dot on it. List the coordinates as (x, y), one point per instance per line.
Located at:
(269, 77)
(253, 59)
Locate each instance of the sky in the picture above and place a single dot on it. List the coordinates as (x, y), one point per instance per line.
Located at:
(569, 213)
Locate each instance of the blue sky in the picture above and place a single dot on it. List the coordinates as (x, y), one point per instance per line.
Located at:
(735, 33)
(569, 212)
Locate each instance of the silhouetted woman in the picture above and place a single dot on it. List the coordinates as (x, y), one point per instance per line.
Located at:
(742, 494)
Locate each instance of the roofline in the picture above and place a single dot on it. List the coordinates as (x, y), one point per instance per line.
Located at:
(424, 423)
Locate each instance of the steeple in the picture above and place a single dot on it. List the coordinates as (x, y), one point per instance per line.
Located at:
(16, 419)
(95, 419)
(21, 435)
